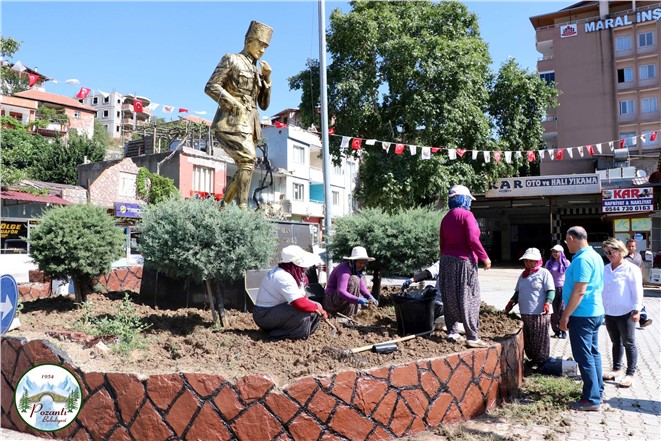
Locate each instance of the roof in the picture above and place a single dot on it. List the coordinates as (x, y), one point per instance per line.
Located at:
(27, 197)
(196, 119)
(33, 71)
(52, 98)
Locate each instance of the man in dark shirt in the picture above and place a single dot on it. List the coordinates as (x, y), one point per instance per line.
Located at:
(635, 258)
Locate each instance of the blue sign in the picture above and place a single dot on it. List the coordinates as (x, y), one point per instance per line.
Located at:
(126, 209)
(8, 301)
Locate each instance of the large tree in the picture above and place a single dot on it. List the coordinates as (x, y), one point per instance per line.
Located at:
(11, 81)
(416, 73)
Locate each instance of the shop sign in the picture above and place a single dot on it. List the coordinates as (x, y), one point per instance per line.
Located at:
(13, 230)
(125, 209)
(545, 186)
(624, 20)
(624, 200)
(570, 30)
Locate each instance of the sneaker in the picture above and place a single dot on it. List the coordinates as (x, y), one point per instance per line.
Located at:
(563, 334)
(455, 337)
(585, 406)
(476, 344)
(646, 323)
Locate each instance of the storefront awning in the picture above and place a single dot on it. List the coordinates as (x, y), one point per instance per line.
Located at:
(10, 195)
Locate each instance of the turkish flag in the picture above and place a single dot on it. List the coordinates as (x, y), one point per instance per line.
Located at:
(356, 142)
(531, 156)
(83, 92)
(590, 150)
(33, 79)
(559, 153)
(137, 106)
(279, 125)
(331, 131)
(435, 149)
(653, 137)
(399, 149)
(182, 110)
(622, 143)
(496, 156)
(461, 152)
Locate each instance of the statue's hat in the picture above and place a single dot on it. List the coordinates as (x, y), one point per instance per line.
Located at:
(260, 32)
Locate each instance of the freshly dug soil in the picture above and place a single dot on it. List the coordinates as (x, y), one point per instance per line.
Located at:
(185, 340)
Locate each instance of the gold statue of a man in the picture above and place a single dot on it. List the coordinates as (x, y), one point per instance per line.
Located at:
(238, 86)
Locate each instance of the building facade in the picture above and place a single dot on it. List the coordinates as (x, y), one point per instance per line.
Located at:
(116, 113)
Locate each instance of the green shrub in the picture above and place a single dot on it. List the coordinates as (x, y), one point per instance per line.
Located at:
(155, 188)
(195, 239)
(76, 242)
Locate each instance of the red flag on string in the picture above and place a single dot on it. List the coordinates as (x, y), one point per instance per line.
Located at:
(461, 152)
(496, 156)
(558, 154)
(279, 125)
(622, 143)
(435, 149)
(33, 79)
(590, 149)
(531, 156)
(182, 110)
(356, 142)
(399, 149)
(82, 93)
(137, 106)
(331, 131)
(653, 137)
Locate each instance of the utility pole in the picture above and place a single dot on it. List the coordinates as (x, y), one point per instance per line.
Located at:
(328, 197)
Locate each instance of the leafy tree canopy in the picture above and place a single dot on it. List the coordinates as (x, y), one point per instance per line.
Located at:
(12, 81)
(416, 73)
(196, 239)
(155, 188)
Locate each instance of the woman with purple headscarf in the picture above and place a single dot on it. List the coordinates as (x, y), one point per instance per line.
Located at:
(557, 265)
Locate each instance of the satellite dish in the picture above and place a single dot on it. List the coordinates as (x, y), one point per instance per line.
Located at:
(641, 173)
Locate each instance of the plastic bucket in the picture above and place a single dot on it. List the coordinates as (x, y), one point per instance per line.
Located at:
(414, 314)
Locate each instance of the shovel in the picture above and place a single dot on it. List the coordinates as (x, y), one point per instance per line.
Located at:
(334, 331)
(379, 347)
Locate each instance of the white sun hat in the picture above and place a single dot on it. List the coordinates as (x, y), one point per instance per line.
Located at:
(532, 254)
(558, 247)
(359, 253)
(460, 189)
(299, 257)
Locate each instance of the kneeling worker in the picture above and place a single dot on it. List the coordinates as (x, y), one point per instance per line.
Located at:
(282, 308)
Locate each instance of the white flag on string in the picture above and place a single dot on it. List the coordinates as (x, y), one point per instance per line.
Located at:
(508, 157)
(103, 94)
(153, 106)
(386, 146)
(452, 154)
(345, 142)
(168, 109)
(18, 66)
(370, 141)
(426, 153)
(487, 156)
(518, 155)
(569, 152)
(580, 151)
(599, 148)
(475, 153)
(413, 149)
(551, 154)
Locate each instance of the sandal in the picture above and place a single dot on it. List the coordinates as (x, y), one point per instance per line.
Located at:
(627, 381)
(611, 376)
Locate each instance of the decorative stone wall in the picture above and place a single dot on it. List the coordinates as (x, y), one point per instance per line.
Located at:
(376, 404)
(119, 279)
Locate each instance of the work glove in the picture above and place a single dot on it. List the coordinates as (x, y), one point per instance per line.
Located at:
(509, 306)
(546, 308)
(374, 301)
(322, 312)
(407, 283)
(362, 301)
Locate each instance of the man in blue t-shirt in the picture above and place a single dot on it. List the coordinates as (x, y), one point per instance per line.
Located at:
(583, 315)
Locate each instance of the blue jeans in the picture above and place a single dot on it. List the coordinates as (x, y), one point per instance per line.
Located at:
(584, 340)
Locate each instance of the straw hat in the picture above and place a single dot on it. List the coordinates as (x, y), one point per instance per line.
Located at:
(532, 254)
(299, 257)
(359, 253)
(460, 190)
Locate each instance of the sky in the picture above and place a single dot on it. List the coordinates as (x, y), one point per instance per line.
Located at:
(167, 50)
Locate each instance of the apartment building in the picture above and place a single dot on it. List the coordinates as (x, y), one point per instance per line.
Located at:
(115, 112)
(604, 58)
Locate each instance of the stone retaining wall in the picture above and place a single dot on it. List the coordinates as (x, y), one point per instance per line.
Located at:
(376, 404)
(119, 279)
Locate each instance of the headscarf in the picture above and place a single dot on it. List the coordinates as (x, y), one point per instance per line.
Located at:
(354, 271)
(560, 265)
(297, 272)
(526, 272)
(460, 201)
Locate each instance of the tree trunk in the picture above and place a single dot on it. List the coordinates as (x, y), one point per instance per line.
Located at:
(79, 290)
(376, 285)
(210, 298)
(220, 302)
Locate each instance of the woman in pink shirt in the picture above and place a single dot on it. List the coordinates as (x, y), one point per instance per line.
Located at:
(346, 290)
(461, 251)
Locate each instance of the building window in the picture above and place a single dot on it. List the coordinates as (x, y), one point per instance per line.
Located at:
(647, 71)
(118, 114)
(17, 116)
(336, 198)
(117, 129)
(623, 43)
(127, 184)
(648, 105)
(106, 99)
(299, 154)
(626, 107)
(298, 192)
(625, 75)
(95, 101)
(646, 39)
(629, 138)
(549, 77)
(76, 115)
(105, 114)
(203, 179)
